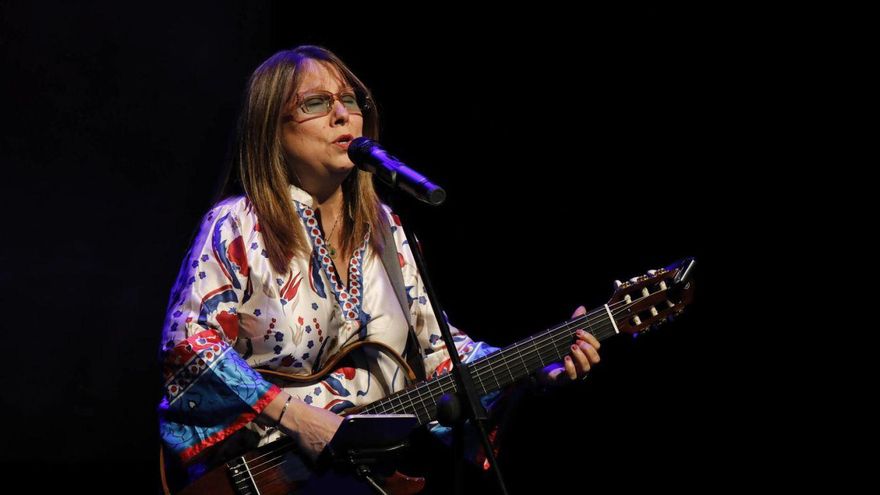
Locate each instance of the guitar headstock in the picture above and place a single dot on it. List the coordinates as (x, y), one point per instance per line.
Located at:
(648, 301)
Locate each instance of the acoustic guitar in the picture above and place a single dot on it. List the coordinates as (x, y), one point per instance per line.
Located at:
(638, 305)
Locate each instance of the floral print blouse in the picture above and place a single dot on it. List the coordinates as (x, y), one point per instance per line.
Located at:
(230, 312)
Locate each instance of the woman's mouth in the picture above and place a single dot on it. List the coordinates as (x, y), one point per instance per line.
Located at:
(343, 141)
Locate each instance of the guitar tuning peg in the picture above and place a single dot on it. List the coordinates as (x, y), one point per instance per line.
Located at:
(617, 284)
(634, 279)
(652, 272)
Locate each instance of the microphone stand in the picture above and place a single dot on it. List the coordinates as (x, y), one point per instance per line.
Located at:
(449, 410)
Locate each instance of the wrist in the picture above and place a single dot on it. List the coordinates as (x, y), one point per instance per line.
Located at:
(277, 424)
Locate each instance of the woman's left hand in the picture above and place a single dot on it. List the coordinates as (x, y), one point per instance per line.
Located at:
(582, 355)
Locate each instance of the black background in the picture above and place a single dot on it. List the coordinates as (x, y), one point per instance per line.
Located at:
(575, 148)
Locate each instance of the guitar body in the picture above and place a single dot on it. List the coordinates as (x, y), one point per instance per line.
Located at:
(265, 471)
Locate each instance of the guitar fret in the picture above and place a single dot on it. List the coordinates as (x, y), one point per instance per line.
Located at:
(519, 352)
(554, 346)
(422, 402)
(432, 388)
(537, 352)
(419, 414)
(426, 390)
(525, 366)
(422, 410)
(435, 389)
(418, 408)
(411, 406)
(415, 400)
(476, 374)
(430, 405)
(408, 403)
(396, 404)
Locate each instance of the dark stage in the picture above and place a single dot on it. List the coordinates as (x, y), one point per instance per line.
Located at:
(575, 150)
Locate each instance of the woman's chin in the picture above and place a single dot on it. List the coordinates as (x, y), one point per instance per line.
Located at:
(343, 168)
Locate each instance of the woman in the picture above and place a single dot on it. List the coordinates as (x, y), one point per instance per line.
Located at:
(286, 271)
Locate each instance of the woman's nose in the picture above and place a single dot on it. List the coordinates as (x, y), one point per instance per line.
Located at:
(340, 113)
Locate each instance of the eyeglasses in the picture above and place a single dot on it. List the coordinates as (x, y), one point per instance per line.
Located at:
(319, 103)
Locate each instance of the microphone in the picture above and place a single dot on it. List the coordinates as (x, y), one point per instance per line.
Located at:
(371, 156)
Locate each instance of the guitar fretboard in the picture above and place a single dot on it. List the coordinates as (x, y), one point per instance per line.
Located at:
(501, 368)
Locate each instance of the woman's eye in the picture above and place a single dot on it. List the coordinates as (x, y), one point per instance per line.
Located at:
(314, 104)
(349, 101)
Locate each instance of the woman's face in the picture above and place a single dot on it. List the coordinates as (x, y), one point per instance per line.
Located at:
(316, 143)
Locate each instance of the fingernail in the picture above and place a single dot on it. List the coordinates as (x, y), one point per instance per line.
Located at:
(574, 347)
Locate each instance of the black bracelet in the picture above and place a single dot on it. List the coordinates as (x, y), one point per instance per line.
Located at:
(283, 410)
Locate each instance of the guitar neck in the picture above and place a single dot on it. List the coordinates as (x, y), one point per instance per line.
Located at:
(501, 368)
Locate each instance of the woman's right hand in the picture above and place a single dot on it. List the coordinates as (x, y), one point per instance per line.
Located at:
(311, 427)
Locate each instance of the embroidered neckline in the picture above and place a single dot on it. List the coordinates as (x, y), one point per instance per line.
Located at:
(350, 299)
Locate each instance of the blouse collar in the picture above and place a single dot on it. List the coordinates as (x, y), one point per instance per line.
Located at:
(301, 196)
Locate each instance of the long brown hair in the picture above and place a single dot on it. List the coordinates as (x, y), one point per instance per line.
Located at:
(258, 168)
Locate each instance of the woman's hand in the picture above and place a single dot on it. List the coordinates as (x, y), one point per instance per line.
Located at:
(310, 427)
(582, 355)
